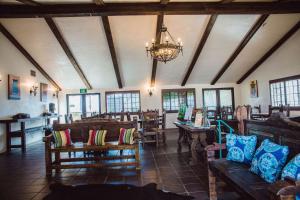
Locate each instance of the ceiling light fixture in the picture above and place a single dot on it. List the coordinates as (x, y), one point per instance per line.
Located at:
(164, 48)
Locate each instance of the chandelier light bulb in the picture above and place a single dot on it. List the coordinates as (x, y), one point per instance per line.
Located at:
(153, 40)
(178, 39)
(147, 44)
(167, 38)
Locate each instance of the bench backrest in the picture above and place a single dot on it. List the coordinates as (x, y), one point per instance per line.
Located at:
(80, 130)
(279, 129)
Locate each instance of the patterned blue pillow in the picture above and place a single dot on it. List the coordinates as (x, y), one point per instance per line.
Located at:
(292, 169)
(268, 160)
(240, 148)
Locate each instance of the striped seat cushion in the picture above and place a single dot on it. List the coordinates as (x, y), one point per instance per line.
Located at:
(62, 138)
(97, 137)
(126, 136)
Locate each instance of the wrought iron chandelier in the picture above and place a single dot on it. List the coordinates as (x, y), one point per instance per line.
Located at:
(164, 48)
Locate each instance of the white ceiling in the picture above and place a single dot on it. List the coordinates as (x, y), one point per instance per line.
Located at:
(274, 28)
(86, 38)
(226, 34)
(189, 29)
(36, 37)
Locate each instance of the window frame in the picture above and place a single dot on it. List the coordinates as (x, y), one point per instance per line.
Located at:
(284, 80)
(177, 90)
(123, 92)
(83, 100)
(218, 96)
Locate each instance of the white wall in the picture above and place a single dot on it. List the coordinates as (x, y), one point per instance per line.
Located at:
(283, 63)
(151, 102)
(13, 62)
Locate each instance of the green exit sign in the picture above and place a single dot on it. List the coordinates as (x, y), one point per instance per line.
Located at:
(83, 91)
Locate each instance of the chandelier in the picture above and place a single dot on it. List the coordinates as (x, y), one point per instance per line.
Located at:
(164, 48)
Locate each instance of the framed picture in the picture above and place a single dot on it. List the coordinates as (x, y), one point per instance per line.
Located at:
(44, 92)
(14, 90)
(253, 89)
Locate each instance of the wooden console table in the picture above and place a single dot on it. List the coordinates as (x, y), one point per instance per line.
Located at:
(193, 134)
(22, 132)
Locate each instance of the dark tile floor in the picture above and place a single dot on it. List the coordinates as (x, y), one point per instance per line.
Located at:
(22, 176)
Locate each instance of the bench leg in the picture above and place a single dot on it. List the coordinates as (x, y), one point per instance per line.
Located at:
(210, 155)
(212, 186)
(48, 159)
(57, 158)
(137, 157)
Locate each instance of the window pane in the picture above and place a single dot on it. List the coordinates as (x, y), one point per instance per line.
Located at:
(166, 101)
(110, 101)
(226, 98)
(210, 99)
(92, 103)
(190, 99)
(123, 101)
(174, 100)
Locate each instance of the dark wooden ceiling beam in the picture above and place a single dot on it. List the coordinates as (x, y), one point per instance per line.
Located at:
(11, 38)
(159, 23)
(30, 2)
(67, 50)
(240, 47)
(293, 30)
(99, 2)
(202, 42)
(151, 8)
(112, 49)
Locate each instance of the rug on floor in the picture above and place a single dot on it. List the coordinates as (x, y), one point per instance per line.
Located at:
(111, 192)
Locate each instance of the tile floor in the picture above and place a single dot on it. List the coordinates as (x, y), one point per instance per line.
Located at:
(22, 176)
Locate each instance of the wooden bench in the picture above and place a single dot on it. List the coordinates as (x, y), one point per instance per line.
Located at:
(278, 129)
(99, 155)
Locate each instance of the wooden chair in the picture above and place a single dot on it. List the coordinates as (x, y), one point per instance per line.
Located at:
(211, 115)
(227, 113)
(128, 116)
(162, 126)
(281, 108)
(122, 116)
(150, 125)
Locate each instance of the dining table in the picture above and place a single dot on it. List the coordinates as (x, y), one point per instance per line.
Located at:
(194, 135)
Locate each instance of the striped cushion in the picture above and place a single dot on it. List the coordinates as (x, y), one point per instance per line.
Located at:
(97, 137)
(62, 138)
(126, 136)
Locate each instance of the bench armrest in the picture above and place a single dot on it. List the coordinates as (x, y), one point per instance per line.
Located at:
(282, 190)
(48, 138)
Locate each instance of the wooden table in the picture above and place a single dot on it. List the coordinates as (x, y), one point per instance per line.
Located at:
(193, 134)
(22, 132)
(260, 115)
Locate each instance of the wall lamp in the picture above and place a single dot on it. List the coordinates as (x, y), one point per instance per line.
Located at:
(55, 94)
(151, 90)
(33, 90)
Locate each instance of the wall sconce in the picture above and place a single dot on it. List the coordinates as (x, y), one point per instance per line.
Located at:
(33, 90)
(151, 90)
(55, 94)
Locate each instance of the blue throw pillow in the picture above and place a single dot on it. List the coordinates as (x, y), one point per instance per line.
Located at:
(292, 169)
(240, 148)
(268, 160)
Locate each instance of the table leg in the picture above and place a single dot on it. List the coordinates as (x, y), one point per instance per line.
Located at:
(181, 133)
(23, 136)
(8, 138)
(189, 140)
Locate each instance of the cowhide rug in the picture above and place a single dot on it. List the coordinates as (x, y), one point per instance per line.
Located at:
(110, 192)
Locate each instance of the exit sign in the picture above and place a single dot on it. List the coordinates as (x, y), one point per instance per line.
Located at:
(83, 91)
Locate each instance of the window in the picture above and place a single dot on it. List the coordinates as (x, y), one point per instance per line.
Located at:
(173, 98)
(83, 104)
(286, 91)
(127, 101)
(216, 98)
